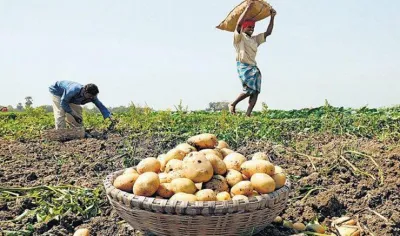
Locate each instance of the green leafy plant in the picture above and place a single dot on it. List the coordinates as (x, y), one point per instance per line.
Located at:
(54, 202)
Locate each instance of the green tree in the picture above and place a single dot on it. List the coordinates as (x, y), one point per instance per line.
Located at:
(28, 102)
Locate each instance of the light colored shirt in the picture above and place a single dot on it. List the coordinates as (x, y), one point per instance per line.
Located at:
(246, 47)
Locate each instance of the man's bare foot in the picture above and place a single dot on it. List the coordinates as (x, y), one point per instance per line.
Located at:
(232, 109)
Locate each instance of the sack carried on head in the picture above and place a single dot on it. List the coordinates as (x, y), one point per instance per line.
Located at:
(259, 11)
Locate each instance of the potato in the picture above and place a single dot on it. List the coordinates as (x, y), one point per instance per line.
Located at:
(212, 151)
(125, 182)
(280, 180)
(164, 178)
(165, 190)
(260, 156)
(186, 148)
(218, 165)
(173, 165)
(249, 168)
(206, 195)
(130, 170)
(197, 168)
(278, 220)
(82, 232)
(163, 163)
(315, 228)
(203, 141)
(222, 144)
(175, 174)
(233, 177)
(217, 183)
(240, 197)
(270, 169)
(350, 222)
(242, 188)
(299, 226)
(234, 160)
(187, 157)
(174, 154)
(183, 185)
(225, 152)
(223, 196)
(278, 170)
(149, 164)
(184, 197)
(262, 183)
(219, 153)
(147, 184)
(287, 224)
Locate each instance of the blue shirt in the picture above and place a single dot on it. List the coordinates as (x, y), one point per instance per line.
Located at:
(71, 92)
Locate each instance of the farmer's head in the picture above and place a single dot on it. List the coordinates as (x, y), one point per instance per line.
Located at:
(248, 27)
(90, 91)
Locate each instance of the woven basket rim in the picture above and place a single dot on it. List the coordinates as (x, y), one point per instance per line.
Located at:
(147, 203)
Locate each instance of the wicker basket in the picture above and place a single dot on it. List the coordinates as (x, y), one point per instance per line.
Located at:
(168, 217)
(63, 134)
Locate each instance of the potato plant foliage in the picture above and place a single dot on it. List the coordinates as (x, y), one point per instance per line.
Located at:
(274, 125)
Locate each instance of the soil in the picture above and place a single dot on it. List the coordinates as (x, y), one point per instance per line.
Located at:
(330, 190)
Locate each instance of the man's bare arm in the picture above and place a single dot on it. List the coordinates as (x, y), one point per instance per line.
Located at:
(271, 24)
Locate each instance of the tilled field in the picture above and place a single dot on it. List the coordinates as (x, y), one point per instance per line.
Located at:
(331, 177)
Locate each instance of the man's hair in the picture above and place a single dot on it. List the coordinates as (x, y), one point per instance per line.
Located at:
(92, 89)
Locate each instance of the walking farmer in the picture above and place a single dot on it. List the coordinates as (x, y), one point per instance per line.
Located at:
(246, 50)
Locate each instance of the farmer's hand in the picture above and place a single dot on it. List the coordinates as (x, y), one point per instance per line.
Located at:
(113, 122)
(111, 119)
(273, 12)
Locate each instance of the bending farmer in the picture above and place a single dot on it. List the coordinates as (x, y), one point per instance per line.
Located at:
(67, 98)
(246, 49)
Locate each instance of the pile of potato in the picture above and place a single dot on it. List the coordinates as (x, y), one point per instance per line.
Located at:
(202, 169)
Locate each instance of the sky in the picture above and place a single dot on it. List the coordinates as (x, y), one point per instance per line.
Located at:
(158, 53)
